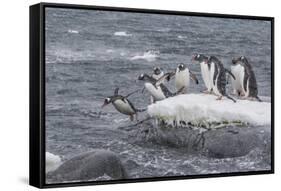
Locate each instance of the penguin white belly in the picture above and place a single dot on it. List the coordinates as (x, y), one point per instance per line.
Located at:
(248, 90)
(206, 75)
(212, 73)
(242, 75)
(157, 77)
(182, 79)
(215, 87)
(156, 93)
(123, 107)
(236, 83)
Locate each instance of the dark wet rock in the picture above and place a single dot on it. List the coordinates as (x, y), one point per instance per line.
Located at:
(89, 166)
(235, 141)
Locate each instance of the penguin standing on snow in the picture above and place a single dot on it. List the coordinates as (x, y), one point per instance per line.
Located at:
(238, 71)
(247, 78)
(122, 104)
(218, 76)
(182, 78)
(205, 70)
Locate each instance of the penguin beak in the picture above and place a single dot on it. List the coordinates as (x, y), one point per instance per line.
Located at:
(193, 57)
(103, 105)
(234, 61)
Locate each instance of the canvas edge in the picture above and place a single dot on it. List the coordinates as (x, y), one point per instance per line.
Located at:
(37, 94)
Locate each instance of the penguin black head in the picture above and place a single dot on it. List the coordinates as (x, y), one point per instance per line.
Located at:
(242, 59)
(156, 70)
(212, 59)
(107, 101)
(141, 77)
(181, 67)
(234, 61)
(199, 58)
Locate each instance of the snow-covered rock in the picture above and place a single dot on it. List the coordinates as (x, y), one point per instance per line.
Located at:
(204, 108)
(52, 162)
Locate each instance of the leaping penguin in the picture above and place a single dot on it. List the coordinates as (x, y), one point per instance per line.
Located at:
(122, 104)
(218, 76)
(205, 70)
(247, 78)
(155, 87)
(182, 78)
(157, 73)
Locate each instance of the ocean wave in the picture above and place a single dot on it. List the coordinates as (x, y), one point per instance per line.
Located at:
(122, 33)
(181, 37)
(149, 56)
(73, 31)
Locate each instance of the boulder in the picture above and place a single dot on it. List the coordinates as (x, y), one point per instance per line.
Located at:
(236, 141)
(89, 166)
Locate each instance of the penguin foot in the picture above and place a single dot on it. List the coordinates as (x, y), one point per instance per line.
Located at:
(219, 98)
(206, 91)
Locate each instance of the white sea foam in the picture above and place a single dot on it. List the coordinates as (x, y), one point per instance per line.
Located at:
(198, 108)
(122, 33)
(73, 31)
(148, 56)
(52, 162)
(109, 50)
(181, 37)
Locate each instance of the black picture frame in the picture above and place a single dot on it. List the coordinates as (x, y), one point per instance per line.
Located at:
(37, 93)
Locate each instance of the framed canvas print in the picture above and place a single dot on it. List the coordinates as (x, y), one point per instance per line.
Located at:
(121, 95)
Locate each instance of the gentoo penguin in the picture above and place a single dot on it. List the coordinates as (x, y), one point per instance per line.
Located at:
(238, 71)
(205, 70)
(182, 76)
(122, 104)
(248, 78)
(218, 76)
(157, 73)
(157, 90)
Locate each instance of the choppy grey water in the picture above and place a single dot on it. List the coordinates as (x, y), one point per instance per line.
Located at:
(89, 53)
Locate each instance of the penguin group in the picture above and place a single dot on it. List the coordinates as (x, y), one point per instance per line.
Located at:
(214, 76)
(243, 79)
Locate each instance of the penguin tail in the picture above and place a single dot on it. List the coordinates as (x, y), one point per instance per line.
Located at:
(230, 98)
(258, 99)
(141, 110)
(179, 91)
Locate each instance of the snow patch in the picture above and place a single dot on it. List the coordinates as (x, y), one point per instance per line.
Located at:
(200, 108)
(52, 162)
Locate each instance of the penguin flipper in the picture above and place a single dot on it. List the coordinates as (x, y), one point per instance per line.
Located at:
(116, 91)
(179, 91)
(230, 73)
(166, 76)
(193, 77)
(258, 99)
(132, 93)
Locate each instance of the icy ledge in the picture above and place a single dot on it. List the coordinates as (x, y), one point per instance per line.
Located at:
(203, 108)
